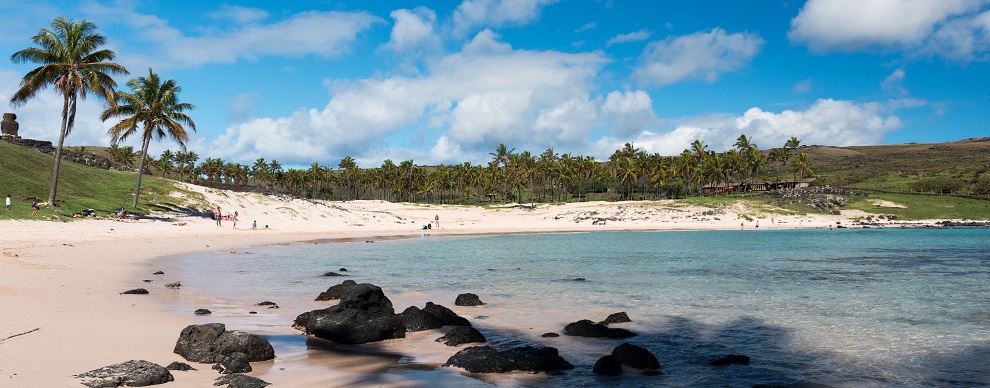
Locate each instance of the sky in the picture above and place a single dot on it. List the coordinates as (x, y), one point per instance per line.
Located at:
(447, 81)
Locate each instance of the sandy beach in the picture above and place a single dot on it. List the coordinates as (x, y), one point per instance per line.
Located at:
(60, 283)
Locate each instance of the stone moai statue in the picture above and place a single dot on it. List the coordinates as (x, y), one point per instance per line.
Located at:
(9, 124)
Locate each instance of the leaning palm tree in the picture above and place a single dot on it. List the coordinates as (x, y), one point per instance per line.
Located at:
(154, 106)
(74, 65)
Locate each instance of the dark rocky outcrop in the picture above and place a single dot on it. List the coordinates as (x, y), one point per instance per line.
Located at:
(173, 285)
(234, 363)
(462, 335)
(209, 343)
(416, 319)
(449, 318)
(587, 328)
(202, 312)
(635, 356)
(158, 273)
(608, 366)
(133, 373)
(334, 292)
(550, 335)
(334, 274)
(136, 291)
(266, 303)
(300, 322)
(238, 380)
(485, 359)
(729, 359)
(363, 315)
(342, 269)
(468, 299)
(179, 366)
(620, 317)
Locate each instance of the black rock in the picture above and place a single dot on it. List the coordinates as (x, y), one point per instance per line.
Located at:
(449, 318)
(147, 280)
(179, 366)
(136, 291)
(580, 279)
(342, 269)
(418, 320)
(485, 359)
(266, 303)
(635, 356)
(468, 299)
(587, 328)
(159, 273)
(202, 312)
(363, 315)
(729, 360)
(134, 373)
(620, 317)
(550, 335)
(234, 363)
(300, 322)
(333, 274)
(173, 285)
(608, 366)
(334, 292)
(238, 380)
(462, 335)
(211, 343)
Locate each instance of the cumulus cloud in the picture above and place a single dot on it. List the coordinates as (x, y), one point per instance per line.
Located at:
(636, 36)
(472, 15)
(307, 33)
(488, 93)
(954, 29)
(413, 30)
(239, 14)
(629, 112)
(699, 56)
(826, 122)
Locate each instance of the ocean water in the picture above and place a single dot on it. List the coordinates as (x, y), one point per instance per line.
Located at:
(845, 308)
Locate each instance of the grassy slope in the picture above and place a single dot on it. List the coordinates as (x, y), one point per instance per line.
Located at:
(26, 173)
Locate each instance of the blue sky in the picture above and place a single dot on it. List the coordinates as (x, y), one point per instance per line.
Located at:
(447, 81)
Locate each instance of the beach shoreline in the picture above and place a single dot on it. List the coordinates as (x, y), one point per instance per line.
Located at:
(61, 282)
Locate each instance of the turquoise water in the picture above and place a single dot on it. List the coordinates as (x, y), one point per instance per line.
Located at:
(865, 307)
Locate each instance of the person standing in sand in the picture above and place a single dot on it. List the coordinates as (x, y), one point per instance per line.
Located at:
(234, 220)
(436, 219)
(8, 203)
(218, 215)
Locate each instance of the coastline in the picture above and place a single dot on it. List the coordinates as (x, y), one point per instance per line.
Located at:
(64, 279)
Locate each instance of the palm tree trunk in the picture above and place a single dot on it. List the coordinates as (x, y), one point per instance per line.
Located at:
(58, 151)
(144, 153)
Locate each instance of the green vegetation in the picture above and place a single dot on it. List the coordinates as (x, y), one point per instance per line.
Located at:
(924, 207)
(25, 175)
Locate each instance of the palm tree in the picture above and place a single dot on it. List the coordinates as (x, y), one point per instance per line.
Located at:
(801, 165)
(154, 106)
(74, 65)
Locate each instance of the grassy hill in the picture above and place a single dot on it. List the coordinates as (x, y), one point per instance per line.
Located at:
(26, 173)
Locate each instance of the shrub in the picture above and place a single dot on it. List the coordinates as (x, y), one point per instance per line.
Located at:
(940, 184)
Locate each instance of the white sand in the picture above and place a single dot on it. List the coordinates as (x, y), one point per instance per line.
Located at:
(63, 280)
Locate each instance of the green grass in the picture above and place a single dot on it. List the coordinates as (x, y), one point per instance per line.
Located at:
(26, 173)
(919, 207)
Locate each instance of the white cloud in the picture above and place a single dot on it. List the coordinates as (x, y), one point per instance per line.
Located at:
(307, 33)
(699, 56)
(239, 14)
(802, 86)
(893, 83)
(586, 27)
(483, 95)
(954, 29)
(826, 122)
(414, 30)
(472, 15)
(636, 36)
(629, 112)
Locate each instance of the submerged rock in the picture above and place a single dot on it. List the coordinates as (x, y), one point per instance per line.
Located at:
(485, 359)
(133, 373)
(462, 335)
(587, 328)
(468, 299)
(729, 359)
(550, 335)
(620, 317)
(608, 366)
(136, 291)
(363, 315)
(635, 356)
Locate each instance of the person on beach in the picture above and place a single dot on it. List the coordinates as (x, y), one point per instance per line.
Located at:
(742, 226)
(254, 224)
(218, 215)
(234, 220)
(436, 219)
(757, 224)
(8, 203)
(120, 213)
(35, 206)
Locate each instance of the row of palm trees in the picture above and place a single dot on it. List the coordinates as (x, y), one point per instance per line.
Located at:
(629, 173)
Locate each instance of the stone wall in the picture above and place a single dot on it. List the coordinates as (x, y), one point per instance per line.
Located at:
(86, 159)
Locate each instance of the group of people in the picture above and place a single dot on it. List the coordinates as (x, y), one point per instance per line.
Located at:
(218, 215)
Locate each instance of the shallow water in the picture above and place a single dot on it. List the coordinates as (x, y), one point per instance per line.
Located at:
(865, 307)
